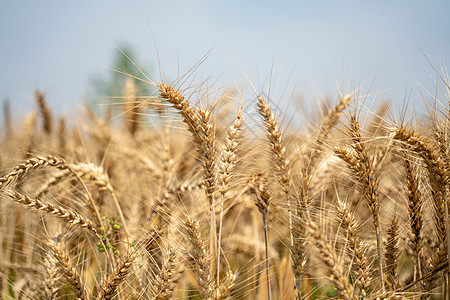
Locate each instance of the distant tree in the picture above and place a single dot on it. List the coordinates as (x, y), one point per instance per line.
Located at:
(112, 86)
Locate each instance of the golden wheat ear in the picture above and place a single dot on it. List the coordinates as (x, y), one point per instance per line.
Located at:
(132, 107)
(438, 177)
(32, 164)
(391, 254)
(364, 171)
(356, 250)
(334, 267)
(110, 286)
(45, 112)
(201, 259)
(69, 269)
(66, 214)
(7, 119)
(296, 202)
(163, 285)
(258, 186)
(415, 210)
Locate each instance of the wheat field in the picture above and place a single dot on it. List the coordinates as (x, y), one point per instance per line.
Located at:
(189, 193)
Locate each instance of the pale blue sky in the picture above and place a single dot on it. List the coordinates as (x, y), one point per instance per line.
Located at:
(57, 46)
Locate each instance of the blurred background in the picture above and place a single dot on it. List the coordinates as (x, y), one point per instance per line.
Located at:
(313, 49)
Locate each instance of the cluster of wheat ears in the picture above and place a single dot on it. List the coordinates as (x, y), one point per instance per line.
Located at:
(189, 194)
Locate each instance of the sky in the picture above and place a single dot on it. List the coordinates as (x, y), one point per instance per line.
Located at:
(311, 48)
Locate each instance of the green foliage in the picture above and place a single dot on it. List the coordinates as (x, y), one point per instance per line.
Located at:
(112, 84)
(112, 226)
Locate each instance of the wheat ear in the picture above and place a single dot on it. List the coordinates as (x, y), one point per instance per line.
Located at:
(226, 167)
(278, 148)
(45, 112)
(258, 186)
(436, 167)
(132, 107)
(225, 287)
(52, 276)
(439, 179)
(364, 171)
(201, 259)
(62, 136)
(282, 171)
(357, 251)
(328, 123)
(437, 171)
(111, 284)
(162, 287)
(391, 254)
(415, 213)
(69, 215)
(34, 163)
(334, 267)
(69, 269)
(203, 131)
